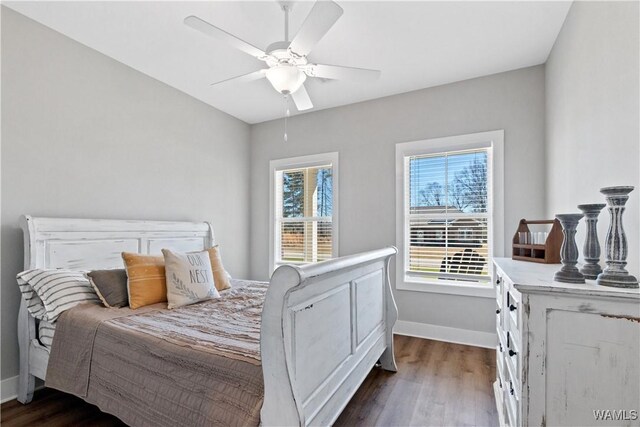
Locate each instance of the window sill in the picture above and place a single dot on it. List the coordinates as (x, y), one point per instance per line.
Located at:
(478, 291)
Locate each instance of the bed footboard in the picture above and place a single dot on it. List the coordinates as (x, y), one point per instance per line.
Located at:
(324, 326)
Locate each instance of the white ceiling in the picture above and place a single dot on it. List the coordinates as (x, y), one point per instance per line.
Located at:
(415, 44)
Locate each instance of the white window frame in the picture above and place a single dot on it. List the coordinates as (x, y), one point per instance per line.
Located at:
(294, 163)
(494, 142)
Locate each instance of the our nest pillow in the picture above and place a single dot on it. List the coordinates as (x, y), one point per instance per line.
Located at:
(189, 278)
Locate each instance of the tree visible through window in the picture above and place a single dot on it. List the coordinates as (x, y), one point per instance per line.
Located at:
(304, 214)
(447, 216)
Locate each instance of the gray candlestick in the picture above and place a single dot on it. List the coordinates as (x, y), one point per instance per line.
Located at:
(591, 248)
(569, 273)
(615, 248)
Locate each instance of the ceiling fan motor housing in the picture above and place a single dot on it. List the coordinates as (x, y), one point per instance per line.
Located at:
(278, 53)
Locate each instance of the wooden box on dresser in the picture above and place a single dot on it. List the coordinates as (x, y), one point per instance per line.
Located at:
(567, 354)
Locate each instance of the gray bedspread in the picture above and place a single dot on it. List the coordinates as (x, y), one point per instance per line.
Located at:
(192, 366)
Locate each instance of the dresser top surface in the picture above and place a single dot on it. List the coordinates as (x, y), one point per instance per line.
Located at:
(529, 277)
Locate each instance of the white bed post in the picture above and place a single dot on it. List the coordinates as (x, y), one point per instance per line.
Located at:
(26, 330)
(26, 324)
(388, 358)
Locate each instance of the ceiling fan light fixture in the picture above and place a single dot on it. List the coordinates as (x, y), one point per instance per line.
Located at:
(286, 78)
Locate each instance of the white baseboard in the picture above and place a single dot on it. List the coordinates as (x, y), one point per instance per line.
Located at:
(9, 388)
(445, 333)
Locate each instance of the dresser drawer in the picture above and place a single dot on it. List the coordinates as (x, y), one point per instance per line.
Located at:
(500, 368)
(512, 359)
(510, 399)
(500, 319)
(511, 403)
(500, 299)
(511, 319)
(501, 349)
(512, 308)
(499, 286)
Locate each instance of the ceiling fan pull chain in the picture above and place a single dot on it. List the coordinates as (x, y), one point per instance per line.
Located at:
(287, 113)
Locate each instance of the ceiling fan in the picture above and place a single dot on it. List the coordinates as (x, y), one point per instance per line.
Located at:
(288, 65)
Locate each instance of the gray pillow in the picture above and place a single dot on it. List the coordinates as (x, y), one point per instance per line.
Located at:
(111, 286)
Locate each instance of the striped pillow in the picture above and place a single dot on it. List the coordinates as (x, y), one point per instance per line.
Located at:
(34, 303)
(58, 290)
(45, 333)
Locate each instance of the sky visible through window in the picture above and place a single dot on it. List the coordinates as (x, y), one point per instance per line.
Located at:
(457, 180)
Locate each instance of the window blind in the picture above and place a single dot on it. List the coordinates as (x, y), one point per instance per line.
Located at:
(447, 212)
(304, 215)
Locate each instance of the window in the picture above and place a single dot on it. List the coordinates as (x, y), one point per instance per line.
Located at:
(449, 213)
(304, 208)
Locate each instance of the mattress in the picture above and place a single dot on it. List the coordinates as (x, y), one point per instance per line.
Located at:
(194, 365)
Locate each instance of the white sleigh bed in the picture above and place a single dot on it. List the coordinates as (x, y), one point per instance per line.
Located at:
(324, 326)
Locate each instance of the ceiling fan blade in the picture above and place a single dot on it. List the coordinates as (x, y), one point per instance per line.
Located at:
(301, 99)
(321, 18)
(339, 72)
(220, 34)
(256, 75)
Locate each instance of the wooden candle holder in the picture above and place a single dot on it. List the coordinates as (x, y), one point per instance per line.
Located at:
(547, 253)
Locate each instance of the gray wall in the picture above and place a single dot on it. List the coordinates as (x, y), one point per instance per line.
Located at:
(592, 126)
(86, 136)
(365, 135)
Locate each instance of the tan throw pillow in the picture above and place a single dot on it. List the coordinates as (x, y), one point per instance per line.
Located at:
(146, 282)
(220, 275)
(189, 278)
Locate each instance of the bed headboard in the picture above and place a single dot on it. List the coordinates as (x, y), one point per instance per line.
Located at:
(88, 244)
(85, 244)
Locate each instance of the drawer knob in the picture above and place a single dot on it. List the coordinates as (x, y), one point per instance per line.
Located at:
(501, 350)
(512, 307)
(498, 311)
(498, 280)
(512, 353)
(511, 391)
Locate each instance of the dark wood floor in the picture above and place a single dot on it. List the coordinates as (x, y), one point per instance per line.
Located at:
(437, 384)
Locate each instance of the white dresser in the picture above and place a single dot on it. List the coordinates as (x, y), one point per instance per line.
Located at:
(565, 350)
